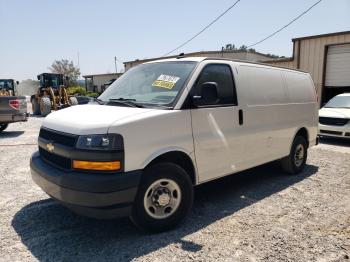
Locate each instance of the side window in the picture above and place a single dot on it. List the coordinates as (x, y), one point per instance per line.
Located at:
(222, 75)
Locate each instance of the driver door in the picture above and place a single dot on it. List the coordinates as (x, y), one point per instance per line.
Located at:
(216, 129)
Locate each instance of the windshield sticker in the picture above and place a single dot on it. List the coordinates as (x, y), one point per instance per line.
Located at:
(166, 81)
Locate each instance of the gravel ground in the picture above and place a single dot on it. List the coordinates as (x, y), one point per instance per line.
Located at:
(257, 215)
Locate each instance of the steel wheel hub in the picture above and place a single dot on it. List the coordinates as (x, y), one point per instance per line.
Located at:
(162, 198)
(299, 155)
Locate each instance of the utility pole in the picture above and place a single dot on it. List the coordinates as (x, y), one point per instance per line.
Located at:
(115, 63)
(78, 60)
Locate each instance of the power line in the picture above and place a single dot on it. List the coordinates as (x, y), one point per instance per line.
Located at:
(279, 30)
(205, 28)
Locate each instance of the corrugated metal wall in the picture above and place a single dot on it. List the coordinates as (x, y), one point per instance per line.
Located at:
(312, 56)
(312, 52)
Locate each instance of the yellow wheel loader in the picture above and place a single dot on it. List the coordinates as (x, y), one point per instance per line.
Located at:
(7, 87)
(51, 95)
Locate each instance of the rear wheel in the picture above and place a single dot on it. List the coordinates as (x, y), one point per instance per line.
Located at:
(3, 126)
(35, 106)
(295, 162)
(45, 106)
(164, 198)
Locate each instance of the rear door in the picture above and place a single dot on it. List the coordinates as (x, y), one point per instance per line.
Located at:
(215, 127)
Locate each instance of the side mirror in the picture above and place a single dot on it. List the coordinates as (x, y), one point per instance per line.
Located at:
(17, 82)
(38, 77)
(208, 94)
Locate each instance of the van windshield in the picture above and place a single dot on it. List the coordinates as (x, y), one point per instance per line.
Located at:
(339, 102)
(155, 84)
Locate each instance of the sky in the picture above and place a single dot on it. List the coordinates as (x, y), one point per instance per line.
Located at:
(34, 33)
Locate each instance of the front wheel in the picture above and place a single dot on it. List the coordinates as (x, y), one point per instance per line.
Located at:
(45, 106)
(164, 198)
(3, 126)
(295, 162)
(35, 106)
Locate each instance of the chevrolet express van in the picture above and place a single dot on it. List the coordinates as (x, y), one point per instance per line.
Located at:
(167, 126)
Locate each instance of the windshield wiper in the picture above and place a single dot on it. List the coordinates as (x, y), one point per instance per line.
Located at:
(99, 101)
(337, 107)
(159, 106)
(126, 101)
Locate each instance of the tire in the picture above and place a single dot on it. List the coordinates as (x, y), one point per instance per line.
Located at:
(164, 177)
(3, 126)
(295, 162)
(35, 106)
(73, 101)
(45, 106)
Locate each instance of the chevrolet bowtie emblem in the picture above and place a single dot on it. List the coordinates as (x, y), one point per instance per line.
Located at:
(50, 147)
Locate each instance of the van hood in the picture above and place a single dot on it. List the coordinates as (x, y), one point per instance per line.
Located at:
(90, 119)
(334, 112)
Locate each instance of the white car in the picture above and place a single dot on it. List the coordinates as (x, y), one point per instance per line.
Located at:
(167, 126)
(334, 117)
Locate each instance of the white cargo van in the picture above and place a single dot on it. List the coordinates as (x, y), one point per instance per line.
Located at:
(167, 126)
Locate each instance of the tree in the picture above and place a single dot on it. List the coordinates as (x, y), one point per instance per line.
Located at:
(243, 48)
(228, 47)
(232, 47)
(67, 69)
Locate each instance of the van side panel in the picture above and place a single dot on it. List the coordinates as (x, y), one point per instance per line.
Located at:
(272, 113)
(299, 87)
(263, 98)
(303, 98)
(264, 86)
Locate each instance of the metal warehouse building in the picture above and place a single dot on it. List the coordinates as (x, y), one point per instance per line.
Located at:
(234, 54)
(326, 57)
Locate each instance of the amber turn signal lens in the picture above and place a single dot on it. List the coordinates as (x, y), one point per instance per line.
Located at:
(102, 166)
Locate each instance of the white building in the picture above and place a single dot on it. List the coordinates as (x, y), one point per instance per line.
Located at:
(98, 83)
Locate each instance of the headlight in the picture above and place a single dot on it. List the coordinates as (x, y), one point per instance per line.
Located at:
(109, 142)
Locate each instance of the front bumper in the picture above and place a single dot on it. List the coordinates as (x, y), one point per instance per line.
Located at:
(334, 131)
(95, 195)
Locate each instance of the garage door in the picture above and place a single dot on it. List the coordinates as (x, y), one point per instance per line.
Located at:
(338, 66)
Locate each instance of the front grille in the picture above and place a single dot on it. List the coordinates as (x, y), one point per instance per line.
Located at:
(58, 137)
(331, 132)
(347, 134)
(54, 159)
(331, 121)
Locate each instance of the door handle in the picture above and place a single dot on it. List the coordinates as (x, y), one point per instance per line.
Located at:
(240, 117)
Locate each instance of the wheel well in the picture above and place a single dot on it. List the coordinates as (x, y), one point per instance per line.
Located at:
(178, 158)
(303, 132)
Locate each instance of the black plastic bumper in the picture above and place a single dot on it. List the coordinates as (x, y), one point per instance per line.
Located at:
(94, 195)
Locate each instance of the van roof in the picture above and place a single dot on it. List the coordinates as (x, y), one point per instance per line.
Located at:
(200, 59)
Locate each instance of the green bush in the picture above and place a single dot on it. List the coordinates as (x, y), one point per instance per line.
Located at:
(73, 90)
(92, 94)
